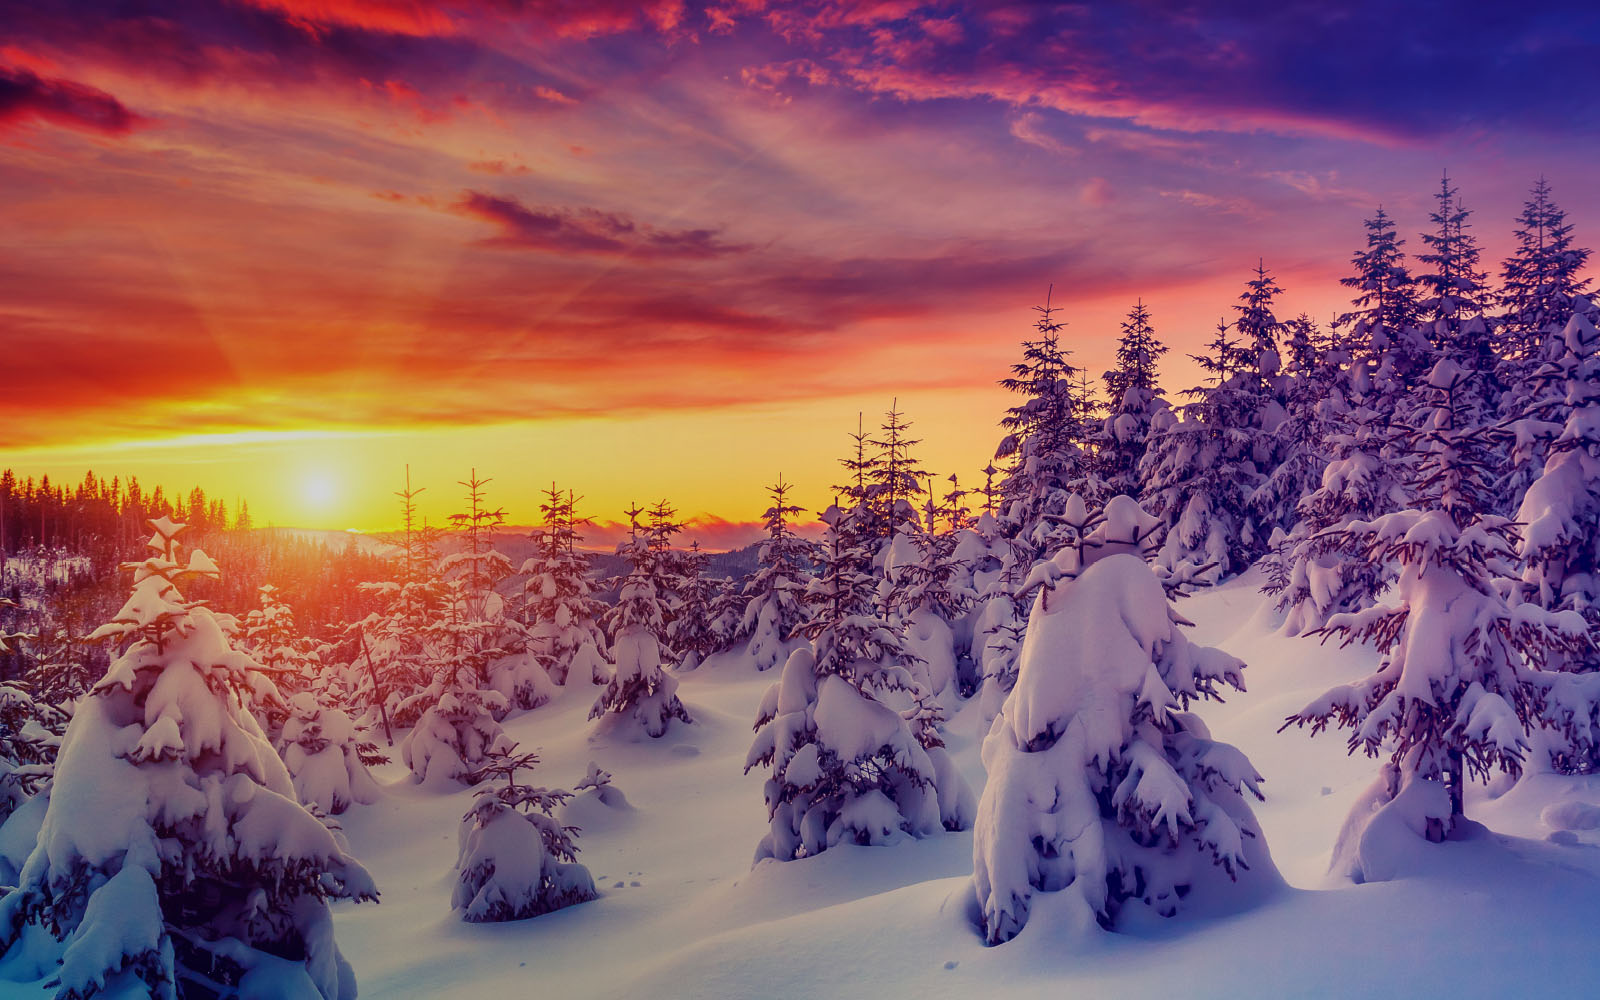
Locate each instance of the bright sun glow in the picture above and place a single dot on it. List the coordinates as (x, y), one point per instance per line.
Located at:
(318, 491)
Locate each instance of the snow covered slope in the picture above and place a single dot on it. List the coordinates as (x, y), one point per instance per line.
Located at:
(1507, 911)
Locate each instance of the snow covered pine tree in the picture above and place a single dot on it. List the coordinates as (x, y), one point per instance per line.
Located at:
(1100, 783)
(174, 858)
(845, 766)
(1456, 691)
(516, 861)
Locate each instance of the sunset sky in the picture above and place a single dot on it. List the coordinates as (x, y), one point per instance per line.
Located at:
(281, 248)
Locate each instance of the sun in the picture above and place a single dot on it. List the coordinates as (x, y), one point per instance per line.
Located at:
(318, 491)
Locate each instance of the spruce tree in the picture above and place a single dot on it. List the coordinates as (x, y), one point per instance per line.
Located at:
(639, 691)
(773, 595)
(1560, 553)
(517, 860)
(1455, 299)
(895, 474)
(1135, 396)
(1454, 695)
(1200, 472)
(556, 595)
(174, 859)
(845, 766)
(1540, 282)
(1043, 446)
(1102, 784)
(1381, 325)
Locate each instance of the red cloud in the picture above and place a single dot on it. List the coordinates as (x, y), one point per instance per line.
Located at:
(26, 96)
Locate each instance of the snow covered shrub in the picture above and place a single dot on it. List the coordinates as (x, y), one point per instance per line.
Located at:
(846, 767)
(1455, 692)
(1101, 784)
(322, 749)
(174, 858)
(516, 861)
(639, 690)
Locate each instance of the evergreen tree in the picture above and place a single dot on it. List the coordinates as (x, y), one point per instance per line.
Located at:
(895, 474)
(1200, 472)
(174, 858)
(1309, 572)
(1540, 285)
(1560, 552)
(773, 595)
(1136, 397)
(1381, 325)
(1455, 298)
(1043, 440)
(557, 601)
(846, 766)
(517, 860)
(1101, 783)
(1454, 696)
(693, 633)
(639, 690)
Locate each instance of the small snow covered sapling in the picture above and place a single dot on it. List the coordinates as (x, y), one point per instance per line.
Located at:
(174, 858)
(1101, 784)
(516, 860)
(323, 751)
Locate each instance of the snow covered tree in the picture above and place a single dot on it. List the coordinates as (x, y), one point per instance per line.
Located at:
(1101, 783)
(395, 662)
(1560, 553)
(480, 623)
(174, 859)
(639, 690)
(30, 737)
(846, 766)
(1453, 696)
(773, 610)
(1199, 472)
(557, 600)
(693, 633)
(1312, 399)
(860, 489)
(1309, 572)
(1257, 326)
(895, 474)
(1381, 325)
(1043, 444)
(1540, 284)
(1455, 298)
(1136, 398)
(273, 640)
(516, 861)
(929, 592)
(324, 753)
(60, 670)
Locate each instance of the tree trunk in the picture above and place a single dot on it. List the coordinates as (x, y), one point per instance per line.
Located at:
(1457, 779)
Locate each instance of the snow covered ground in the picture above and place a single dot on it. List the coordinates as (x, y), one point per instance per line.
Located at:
(1508, 911)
